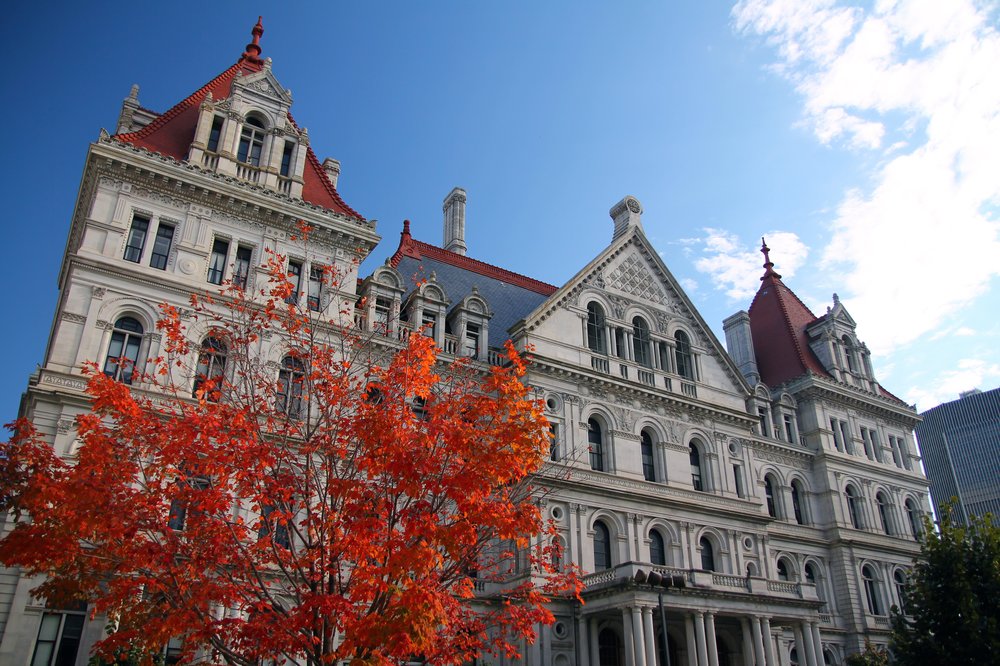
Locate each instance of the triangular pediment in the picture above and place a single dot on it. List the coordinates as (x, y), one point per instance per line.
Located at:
(265, 84)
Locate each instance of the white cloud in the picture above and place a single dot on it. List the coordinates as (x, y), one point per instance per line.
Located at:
(971, 373)
(735, 268)
(918, 244)
(689, 285)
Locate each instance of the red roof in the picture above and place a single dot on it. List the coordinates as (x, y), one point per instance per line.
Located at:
(172, 132)
(408, 247)
(778, 321)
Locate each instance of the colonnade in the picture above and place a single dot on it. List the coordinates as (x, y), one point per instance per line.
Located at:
(758, 642)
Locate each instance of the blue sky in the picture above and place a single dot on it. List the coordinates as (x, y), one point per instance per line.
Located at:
(863, 141)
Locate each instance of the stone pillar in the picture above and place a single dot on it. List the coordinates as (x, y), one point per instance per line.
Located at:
(595, 653)
(638, 637)
(768, 641)
(713, 648)
(650, 635)
(758, 642)
(817, 643)
(689, 639)
(535, 648)
(699, 629)
(747, 642)
(582, 646)
(628, 633)
(804, 643)
(546, 644)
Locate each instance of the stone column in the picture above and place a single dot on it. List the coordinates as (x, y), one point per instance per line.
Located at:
(650, 635)
(758, 642)
(546, 644)
(768, 641)
(747, 642)
(713, 648)
(581, 641)
(628, 637)
(699, 629)
(806, 651)
(689, 639)
(817, 643)
(638, 639)
(595, 653)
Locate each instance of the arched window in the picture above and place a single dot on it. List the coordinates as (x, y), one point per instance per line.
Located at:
(682, 355)
(596, 328)
(595, 436)
(640, 342)
(913, 517)
(849, 354)
(123, 354)
(793, 657)
(782, 569)
(812, 576)
(772, 508)
(696, 476)
(291, 379)
(602, 546)
(883, 511)
(657, 549)
(853, 506)
(251, 141)
(797, 495)
(646, 449)
(871, 590)
(707, 554)
(211, 366)
(899, 580)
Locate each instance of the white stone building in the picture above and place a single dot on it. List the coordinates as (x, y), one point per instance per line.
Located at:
(775, 488)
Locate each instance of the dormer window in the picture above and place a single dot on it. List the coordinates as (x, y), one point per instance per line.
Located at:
(215, 134)
(286, 158)
(251, 142)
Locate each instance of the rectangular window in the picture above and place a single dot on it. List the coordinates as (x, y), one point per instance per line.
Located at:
(553, 442)
(620, 350)
(876, 445)
(161, 246)
(215, 134)
(429, 324)
(762, 416)
(179, 507)
(866, 440)
(286, 158)
(837, 441)
(241, 269)
(789, 429)
(314, 299)
(383, 310)
(136, 239)
(295, 277)
(471, 344)
(738, 479)
(846, 434)
(217, 264)
(58, 639)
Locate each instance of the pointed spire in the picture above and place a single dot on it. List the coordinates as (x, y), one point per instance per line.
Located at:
(768, 264)
(252, 52)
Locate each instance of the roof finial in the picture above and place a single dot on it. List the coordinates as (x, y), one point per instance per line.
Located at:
(253, 48)
(768, 264)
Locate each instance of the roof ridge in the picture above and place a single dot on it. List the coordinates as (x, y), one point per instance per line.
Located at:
(410, 247)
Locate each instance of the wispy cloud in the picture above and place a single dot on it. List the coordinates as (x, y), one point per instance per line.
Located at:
(734, 268)
(971, 373)
(922, 75)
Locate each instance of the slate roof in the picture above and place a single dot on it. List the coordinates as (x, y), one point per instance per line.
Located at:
(510, 296)
(172, 132)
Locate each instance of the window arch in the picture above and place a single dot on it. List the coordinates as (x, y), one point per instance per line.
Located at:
(783, 569)
(640, 342)
(811, 572)
(646, 451)
(123, 353)
(251, 141)
(697, 473)
(211, 366)
(657, 549)
(852, 364)
(798, 496)
(291, 379)
(602, 546)
(884, 511)
(595, 437)
(853, 506)
(707, 554)
(871, 590)
(596, 328)
(914, 518)
(900, 583)
(682, 355)
(769, 490)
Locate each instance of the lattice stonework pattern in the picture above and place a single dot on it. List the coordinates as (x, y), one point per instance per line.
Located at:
(632, 277)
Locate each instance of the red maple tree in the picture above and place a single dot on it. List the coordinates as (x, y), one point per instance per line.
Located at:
(355, 499)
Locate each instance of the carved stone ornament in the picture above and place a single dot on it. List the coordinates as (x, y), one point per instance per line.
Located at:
(187, 266)
(98, 292)
(632, 277)
(633, 205)
(64, 425)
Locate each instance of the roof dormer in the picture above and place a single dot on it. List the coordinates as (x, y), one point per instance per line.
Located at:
(833, 338)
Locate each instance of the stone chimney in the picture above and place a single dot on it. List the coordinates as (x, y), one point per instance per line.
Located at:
(627, 213)
(454, 221)
(332, 168)
(739, 344)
